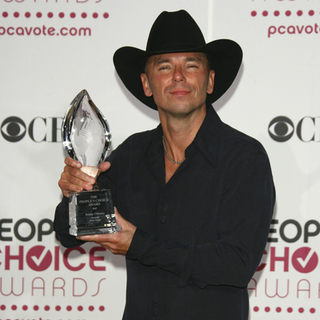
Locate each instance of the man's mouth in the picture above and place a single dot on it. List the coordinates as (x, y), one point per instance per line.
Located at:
(180, 92)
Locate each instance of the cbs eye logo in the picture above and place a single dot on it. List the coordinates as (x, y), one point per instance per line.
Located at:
(13, 129)
(281, 129)
(307, 129)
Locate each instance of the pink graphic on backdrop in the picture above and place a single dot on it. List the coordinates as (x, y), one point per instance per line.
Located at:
(277, 13)
(305, 260)
(38, 259)
(61, 15)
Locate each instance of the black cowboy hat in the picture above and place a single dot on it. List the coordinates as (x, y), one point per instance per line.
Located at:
(178, 32)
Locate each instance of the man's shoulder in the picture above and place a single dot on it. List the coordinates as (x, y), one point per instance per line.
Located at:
(237, 141)
(136, 143)
(229, 140)
(140, 137)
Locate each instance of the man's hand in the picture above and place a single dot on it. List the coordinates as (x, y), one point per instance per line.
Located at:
(117, 243)
(74, 180)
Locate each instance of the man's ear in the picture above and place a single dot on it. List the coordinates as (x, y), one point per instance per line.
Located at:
(210, 82)
(145, 85)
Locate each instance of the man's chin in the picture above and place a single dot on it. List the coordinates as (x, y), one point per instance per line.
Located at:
(181, 110)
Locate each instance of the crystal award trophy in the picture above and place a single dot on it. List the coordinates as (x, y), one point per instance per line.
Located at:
(86, 137)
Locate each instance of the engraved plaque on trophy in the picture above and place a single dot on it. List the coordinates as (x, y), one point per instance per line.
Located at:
(86, 137)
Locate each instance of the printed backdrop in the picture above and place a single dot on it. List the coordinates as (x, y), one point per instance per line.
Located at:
(52, 49)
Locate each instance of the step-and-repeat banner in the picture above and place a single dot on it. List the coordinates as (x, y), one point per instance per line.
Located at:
(52, 49)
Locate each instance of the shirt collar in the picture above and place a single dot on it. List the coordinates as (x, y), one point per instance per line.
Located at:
(206, 140)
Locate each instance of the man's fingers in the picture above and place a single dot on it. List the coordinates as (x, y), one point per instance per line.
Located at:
(117, 243)
(74, 180)
(72, 162)
(104, 166)
(77, 176)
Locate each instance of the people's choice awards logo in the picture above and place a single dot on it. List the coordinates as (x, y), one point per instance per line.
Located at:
(38, 258)
(305, 260)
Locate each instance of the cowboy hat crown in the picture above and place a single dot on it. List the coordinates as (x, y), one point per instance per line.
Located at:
(178, 32)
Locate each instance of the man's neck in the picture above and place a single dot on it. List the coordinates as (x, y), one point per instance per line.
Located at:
(180, 130)
(178, 133)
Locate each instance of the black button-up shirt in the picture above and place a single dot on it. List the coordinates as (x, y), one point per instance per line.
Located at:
(201, 235)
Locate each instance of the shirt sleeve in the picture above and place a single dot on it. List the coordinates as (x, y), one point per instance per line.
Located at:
(245, 213)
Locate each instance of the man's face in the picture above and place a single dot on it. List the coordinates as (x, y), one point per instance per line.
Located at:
(178, 82)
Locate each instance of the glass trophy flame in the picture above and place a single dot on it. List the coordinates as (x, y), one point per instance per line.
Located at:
(86, 137)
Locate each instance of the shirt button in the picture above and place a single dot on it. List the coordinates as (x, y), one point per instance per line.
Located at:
(155, 313)
(155, 298)
(164, 219)
(165, 207)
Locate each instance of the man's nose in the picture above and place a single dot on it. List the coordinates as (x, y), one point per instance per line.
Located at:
(178, 74)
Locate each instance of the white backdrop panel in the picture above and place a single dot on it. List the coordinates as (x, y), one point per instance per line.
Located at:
(52, 49)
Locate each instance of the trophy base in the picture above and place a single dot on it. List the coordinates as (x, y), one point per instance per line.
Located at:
(101, 230)
(91, 212)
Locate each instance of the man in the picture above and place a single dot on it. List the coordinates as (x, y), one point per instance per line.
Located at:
(195, 196)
